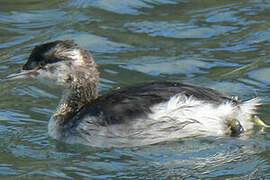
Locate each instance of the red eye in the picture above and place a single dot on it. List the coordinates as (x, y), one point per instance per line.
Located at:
(41, 65)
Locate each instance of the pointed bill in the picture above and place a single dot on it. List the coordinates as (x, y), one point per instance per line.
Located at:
(23, 74)
(19, 75)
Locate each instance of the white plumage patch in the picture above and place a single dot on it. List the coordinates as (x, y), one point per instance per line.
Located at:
(195, 117)
(77, 56)
(51, 77)
(247, 110)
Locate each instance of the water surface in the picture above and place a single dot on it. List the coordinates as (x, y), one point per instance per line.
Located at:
(220, 44)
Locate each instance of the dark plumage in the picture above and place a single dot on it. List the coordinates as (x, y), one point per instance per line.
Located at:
(48, 53)
(134, 101)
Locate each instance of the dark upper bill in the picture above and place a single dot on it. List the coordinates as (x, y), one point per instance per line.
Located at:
(23, 74)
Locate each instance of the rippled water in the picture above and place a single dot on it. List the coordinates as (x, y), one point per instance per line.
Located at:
(220, 44)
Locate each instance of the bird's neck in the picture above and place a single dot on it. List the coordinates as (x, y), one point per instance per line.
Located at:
(73, 100)
(82, 89)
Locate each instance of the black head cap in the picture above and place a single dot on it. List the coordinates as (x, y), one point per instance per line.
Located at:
(48, 53)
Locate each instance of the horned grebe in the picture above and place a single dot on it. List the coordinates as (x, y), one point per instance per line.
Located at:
(137, 115)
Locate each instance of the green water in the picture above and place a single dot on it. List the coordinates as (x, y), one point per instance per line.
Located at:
(219, 44)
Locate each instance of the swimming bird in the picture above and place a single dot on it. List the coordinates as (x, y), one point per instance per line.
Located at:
(141, 114)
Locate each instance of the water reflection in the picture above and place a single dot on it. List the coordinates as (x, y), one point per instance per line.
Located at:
(190, 158)
(121, 7)
(177, 29)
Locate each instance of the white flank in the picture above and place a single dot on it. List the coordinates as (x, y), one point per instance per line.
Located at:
(195, 117)
(178, 118)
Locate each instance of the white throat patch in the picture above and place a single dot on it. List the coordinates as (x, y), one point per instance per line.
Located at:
(77, 56)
